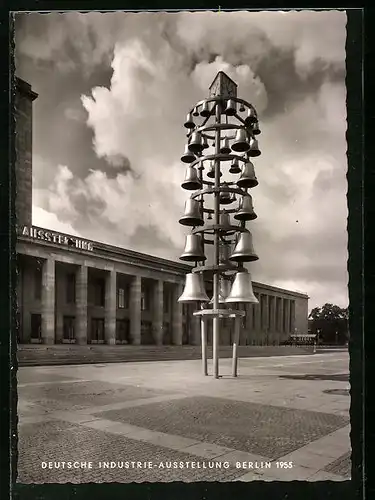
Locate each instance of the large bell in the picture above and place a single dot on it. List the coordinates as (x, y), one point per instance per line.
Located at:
(254, 149)
(194, 289)
(196, 144)
(225, 148)
(193, 214)
(255, 128)
(193, 248)
(224, 289)
(189, 122)
(211, 172)
(251, 117)
(191, 181)
(230, 109)
(242, 289)
(235, 168)
(205, 111)
(241, 143)
(244, 250)
(246, 209)
(188, 156)
(248, 178)
(225, 197)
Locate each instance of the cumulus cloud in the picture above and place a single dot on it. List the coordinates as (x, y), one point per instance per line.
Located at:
(291, 67)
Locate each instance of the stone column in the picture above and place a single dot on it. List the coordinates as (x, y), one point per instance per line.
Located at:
(292, 316)
(272, 310)
(135, 310)
(81, 305)
(257, 325)
(279, 316)
(195, 326)
(245, 325)
(265, 320)
(48, 302)
(287, 316)
(177, 315)
(158, 312)
(110, 307)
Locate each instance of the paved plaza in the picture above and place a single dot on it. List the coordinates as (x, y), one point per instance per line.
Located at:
(283, 418)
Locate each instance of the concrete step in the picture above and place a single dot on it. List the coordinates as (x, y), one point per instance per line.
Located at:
(37, 355)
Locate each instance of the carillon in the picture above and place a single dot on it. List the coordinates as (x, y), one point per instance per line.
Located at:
(214, 142)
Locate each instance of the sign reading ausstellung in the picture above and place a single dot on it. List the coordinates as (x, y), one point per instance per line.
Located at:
(53, 237)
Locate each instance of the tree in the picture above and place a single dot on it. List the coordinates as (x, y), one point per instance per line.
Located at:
(330, 322)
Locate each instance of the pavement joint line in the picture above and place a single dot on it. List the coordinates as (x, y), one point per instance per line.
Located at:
(51, 382)
(131, 404)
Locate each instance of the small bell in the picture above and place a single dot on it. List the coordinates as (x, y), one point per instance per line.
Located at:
(248, 178)
(196, 144)
(241, 144)
(205, 111)
(195, 111)
(244, 250)
(251, 117)
(225, 224)
(224, 197)
(205, 143)
(230, 110)
(193, 213)
(225, 149)
(242, 289)
(193, 249)
(191, 181)
(211, 172)
(242, 108)
(224, 251)
(189, 122)
(235, 168)
(255, 128)
(194, 289)
(254, 149)
(188, 156)
(224, 289)
(246, 209)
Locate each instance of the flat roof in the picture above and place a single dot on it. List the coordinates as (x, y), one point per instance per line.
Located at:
(67, 242)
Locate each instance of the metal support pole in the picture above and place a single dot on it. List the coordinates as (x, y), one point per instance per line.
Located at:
(215, 320)
(235, 344)
(204, 345)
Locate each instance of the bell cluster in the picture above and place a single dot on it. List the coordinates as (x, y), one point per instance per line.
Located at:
(232, 157)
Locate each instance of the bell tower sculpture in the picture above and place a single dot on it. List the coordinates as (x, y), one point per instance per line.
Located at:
(221, 143)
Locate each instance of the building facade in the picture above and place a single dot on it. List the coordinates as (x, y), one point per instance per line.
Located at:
(72, 290)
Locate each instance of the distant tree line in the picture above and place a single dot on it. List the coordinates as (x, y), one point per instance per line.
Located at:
(330, 324)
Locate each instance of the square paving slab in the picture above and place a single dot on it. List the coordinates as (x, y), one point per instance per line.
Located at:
(342, 466)
(264, 430)
(81, 395)
(59, 442)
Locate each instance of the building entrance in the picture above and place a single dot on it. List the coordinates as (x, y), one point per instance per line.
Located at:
(36, 328)
(68, 329)
(123, 331)
(97, 331)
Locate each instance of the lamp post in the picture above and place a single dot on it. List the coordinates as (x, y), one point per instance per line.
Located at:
(229, 126)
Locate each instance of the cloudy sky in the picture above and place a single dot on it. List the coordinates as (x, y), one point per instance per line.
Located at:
(114, 90)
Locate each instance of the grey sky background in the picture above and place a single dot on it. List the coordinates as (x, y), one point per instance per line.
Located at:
(114, 90)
